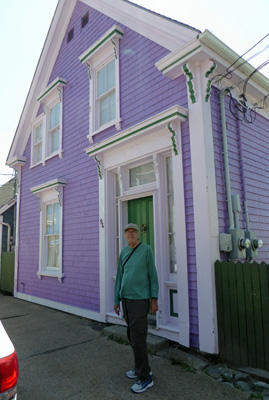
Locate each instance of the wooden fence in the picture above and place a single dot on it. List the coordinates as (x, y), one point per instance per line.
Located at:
(242, 291)
(7, 272)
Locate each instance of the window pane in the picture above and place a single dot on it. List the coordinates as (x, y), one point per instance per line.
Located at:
(55, 139)
(142, 174)
(169, 169)
(49, 219)
(171, 219)
(56, 219)
(172, 254)
(38, 134)
(55, 116)
(53, 251)
(101, 82)
(103, 111)
(38, 152)
(111, 107)
(110, 75)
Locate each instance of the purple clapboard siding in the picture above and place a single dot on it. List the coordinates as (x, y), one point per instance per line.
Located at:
(250, 177)
(144, 92)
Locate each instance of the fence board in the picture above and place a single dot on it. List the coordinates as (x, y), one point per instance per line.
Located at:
(242, 319)
(242, 293)
(250, 315)
(227, 313)
(264, 279)
(257, 310)
(220, 310)
(234, 313)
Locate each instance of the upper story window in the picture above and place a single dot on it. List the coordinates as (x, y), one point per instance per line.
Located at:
(37, 140)
(102, 61)
(47, 127)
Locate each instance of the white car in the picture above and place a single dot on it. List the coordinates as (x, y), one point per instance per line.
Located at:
(9, 367)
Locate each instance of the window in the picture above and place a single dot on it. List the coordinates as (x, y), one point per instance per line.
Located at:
(70, 35)
(52, 235)
(50, 196)
(47, 128)
(106, 93)
(102, 61)
(142, 174)
(85, 19)
(171, 217)
(37, 140)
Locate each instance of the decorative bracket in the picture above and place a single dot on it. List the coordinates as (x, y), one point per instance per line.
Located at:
(190, 83)
(98, 167)
(173, 138)
(209, 82)
(89, 70)
(60, 192)
(115, 48)
(60, 94)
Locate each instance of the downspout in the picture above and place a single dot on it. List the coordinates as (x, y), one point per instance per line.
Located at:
(222, 95)
(8, 234)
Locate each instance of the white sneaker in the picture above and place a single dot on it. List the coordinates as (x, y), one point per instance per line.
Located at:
(141, 386)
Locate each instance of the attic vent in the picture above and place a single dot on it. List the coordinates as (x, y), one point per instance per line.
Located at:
(70, 35)
(85, 19)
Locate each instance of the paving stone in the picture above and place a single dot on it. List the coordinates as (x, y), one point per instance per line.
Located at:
(215, 371)
(242, 385)
(260, 386)
(228, 375)
(241, 376)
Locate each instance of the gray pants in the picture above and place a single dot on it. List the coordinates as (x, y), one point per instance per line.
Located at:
(135, 314)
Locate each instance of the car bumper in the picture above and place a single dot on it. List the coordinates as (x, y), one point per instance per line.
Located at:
(10, 395)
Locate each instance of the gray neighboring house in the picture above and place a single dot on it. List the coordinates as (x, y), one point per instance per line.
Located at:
(7, 238)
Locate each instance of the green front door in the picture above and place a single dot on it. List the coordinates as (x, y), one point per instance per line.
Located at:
(140, 212)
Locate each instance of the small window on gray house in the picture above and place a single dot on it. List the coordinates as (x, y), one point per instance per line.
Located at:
(85, 19)
(70, 35)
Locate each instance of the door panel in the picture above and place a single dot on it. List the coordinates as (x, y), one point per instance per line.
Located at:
(140, 212)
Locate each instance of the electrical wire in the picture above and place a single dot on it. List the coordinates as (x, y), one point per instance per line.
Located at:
(228, 74)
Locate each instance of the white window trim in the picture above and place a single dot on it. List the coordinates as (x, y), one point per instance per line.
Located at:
(95, 57)
(50, 97)
(40, 119)
(48, 193)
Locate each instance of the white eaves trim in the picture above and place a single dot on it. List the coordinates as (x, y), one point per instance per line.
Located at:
(92, 50)
(58, 82)
(164, 31)
(48, 185)
(6, 206)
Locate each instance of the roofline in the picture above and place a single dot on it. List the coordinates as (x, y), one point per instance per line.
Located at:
(221, 49)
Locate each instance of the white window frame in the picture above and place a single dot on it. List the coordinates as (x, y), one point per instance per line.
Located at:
(38, 121)
(49, 193)
(52, 95)
(96, 57)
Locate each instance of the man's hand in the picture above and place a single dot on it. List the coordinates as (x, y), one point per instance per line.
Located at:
(117, 309)
(153, 306)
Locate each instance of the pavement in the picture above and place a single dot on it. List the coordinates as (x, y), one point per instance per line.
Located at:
(63, 356)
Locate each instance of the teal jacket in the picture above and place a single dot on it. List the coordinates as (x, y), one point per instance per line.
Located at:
(139, 279)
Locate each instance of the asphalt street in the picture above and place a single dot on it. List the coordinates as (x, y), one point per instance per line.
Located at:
(62, 356)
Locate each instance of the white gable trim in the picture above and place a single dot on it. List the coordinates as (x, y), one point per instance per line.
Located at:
(164, 31)
(42, 74)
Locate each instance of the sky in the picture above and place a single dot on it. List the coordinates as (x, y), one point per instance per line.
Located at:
(24, 25)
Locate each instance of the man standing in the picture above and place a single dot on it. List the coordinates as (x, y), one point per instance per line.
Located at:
(137, 288)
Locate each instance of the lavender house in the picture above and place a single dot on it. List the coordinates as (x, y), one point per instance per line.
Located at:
(128, 119)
